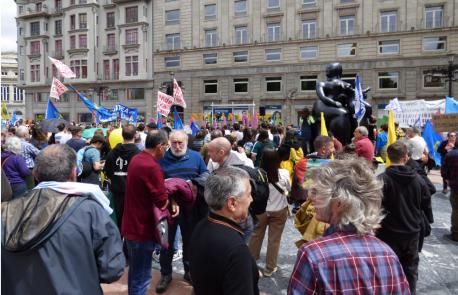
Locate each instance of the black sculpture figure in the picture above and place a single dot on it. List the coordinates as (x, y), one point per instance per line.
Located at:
(335, 100)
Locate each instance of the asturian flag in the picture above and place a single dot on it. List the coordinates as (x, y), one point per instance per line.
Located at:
(62, 68)
(358, 101)
(178, 94)
(57, 89)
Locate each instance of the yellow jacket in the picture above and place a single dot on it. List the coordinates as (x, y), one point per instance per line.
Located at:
(306, 223)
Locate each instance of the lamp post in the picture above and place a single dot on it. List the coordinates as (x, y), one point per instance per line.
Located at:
(446, 73)
(289, 105)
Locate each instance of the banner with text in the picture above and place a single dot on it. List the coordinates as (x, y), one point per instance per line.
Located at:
(417, 112)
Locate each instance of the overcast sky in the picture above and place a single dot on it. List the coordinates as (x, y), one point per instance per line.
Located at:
(8, 14)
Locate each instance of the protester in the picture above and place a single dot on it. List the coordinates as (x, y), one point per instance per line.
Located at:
(308, 123)
(220, 262)
(76, 143)
(91, 155)
(142, 133)
(262, 143)
(29, 152)
(145, 190)
(420, 149)
(221, 155)
(350, 260)
(62, 229)
(364, 146)
(381, 143)
(447, 145)
(62, 136)
(39, 137)
(449, 172)
(198, 141)
(14, 166)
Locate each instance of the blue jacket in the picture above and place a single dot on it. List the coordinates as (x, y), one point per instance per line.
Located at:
(190, 166)
(14, 167)
(382, 140)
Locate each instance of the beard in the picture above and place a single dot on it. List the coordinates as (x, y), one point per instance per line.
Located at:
(177, 153)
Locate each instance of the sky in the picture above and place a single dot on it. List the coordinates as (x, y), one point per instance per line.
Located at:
(8, 25)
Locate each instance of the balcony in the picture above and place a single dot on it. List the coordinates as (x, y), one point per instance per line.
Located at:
(108, 3)
(58, 54)
(34, 54)
(123, 1)
(31, 13)
(57, 11)
(110, 50)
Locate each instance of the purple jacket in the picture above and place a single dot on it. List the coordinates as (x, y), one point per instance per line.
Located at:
(180, 190)
(14, 167)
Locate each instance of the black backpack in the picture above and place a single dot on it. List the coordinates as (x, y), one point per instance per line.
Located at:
(259, 188)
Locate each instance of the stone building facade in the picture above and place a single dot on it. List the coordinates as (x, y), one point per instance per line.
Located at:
(10, 92)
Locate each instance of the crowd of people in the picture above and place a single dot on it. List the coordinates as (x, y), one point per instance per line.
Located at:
(77, 211)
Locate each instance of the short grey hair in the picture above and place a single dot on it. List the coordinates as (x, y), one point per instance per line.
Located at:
(354, 185)
(55, 163)
(363, 130)
(13, 144)
(179, 133)
(223, 183)
(22, 132)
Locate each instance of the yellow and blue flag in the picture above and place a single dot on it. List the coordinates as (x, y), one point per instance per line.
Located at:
(433, 139)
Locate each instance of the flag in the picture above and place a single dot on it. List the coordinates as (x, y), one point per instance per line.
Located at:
(224, 120)
(433, 140)
(417, 122)
(245, 121)
(164, 102)
(102, 114)
(62, 68)
(324, 130)
(13, 119)
(194, 127)
(178, 94)
(159, 121)
(177, 123)
(254, 122)
(57, 89)
(5, 114)
(394, 105)
(451, 105)
(391, 133)
(125, 113)
(213, 123)
(51, 111)
(358, 101)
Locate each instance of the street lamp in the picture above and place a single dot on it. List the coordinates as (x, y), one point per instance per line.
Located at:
(445, 73)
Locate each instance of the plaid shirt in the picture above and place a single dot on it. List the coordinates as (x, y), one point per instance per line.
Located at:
(345, 263)
(29, 152)
(449, 169)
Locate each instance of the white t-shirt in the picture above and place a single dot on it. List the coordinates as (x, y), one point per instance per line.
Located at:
(62, 137)
(277, 201)
(418, 147)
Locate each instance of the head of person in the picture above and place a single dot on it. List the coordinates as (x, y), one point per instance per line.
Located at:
(98, 141)
(346, 193)
(13, 144)
(228, 193)
(219, 150)
(61, 127)
(76, 131)
(99, 132)
(236, 126)
(38, 133)
(398, 153)
(141, 127)
(412, 132)
(156, 143)
(324, 146)
(178, 143)
(248, 134)
(451, 137)
(22, 132)
(151, 126)
(360, 132)
(56, 162)
(128, 132)
(215, 134)
(270, 162)
(263, 135)
(384, 127)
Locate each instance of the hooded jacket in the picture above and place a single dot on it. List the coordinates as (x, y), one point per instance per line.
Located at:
(116, 165)
(54, 243)
(402, 197)
(15, 167)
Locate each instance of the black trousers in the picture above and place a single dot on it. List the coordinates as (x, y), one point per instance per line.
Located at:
(406, 248)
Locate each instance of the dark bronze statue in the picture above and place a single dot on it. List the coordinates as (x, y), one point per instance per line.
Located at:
(335, 100)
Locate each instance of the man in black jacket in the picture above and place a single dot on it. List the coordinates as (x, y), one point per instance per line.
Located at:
(116, 165)
(403, 191)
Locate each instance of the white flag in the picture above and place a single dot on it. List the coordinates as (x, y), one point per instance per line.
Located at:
(62, 68)
(164, 102)
(178, 94)
(358, 101)
(57, 88)
(394, 105)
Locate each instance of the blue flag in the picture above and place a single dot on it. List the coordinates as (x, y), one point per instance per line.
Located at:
(194, 128)
(451, 105)
(433, 140)
(358, 101)
(125, 113)
(13, 119)
(51, 111)
(102, 114)
(159, 121)
(177, 123)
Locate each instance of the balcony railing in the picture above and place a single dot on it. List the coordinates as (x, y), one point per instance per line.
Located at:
(30, 12)
(58, 54)
(111, 49)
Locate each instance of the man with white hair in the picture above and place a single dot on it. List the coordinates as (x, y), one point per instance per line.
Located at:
(364, 146)
(29, 152)
(222, 155)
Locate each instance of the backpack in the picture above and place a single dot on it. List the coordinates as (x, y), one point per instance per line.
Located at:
(84, 169)
(259, 188)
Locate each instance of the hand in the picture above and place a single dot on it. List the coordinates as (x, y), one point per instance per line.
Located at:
(194, 190)
(175, 209)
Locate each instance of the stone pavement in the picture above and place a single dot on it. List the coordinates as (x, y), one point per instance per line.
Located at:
(438, 273)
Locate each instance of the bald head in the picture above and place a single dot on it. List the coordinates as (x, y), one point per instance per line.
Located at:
(219, 149)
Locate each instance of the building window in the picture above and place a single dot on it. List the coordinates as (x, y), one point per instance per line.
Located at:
(21, 75)
(388, 21)
(309, 29)
(172, 17)
(58, 27)
(350, 79)
(110, 19)
(131, 36)
(34, 73)
(240, 56)
(85, 117)
(106, 70)
(132, 65)
(308, 3)
(72, 22)
(172, 61)
(21, 50)
(210, 12)
(79, 67)
(388, 47)
(5, 93)
(58, 48)
(111, 42)
(347, 49)
(35, 47)
(388, 80)
(115, 69)
(72, 42)
(82, 17)
(58, 5)
(309, 52)
(308, 83)
(131, 14)
(241, 85)
(273, 54)
(434, 17)
(432, 81)
(173, 41)
(240, 7)
(21, 9)
(273, 4)
(273, 84)
(35, 28)
(112, 94)
(241, 35)
(434, 43)
(82, 41)
(210, 86)
(347, 25)
(210, 58)
(211, 39)
(136, 93)
(273, 32)
(18, 94)
(21, 31)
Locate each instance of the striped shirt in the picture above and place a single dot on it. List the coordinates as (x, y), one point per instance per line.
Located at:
(346, 263)
(29, 152)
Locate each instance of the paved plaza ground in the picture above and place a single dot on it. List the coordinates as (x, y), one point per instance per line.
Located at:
(438, 272)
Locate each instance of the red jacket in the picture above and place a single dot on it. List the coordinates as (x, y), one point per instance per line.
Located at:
(144, 189)
(365, 148)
